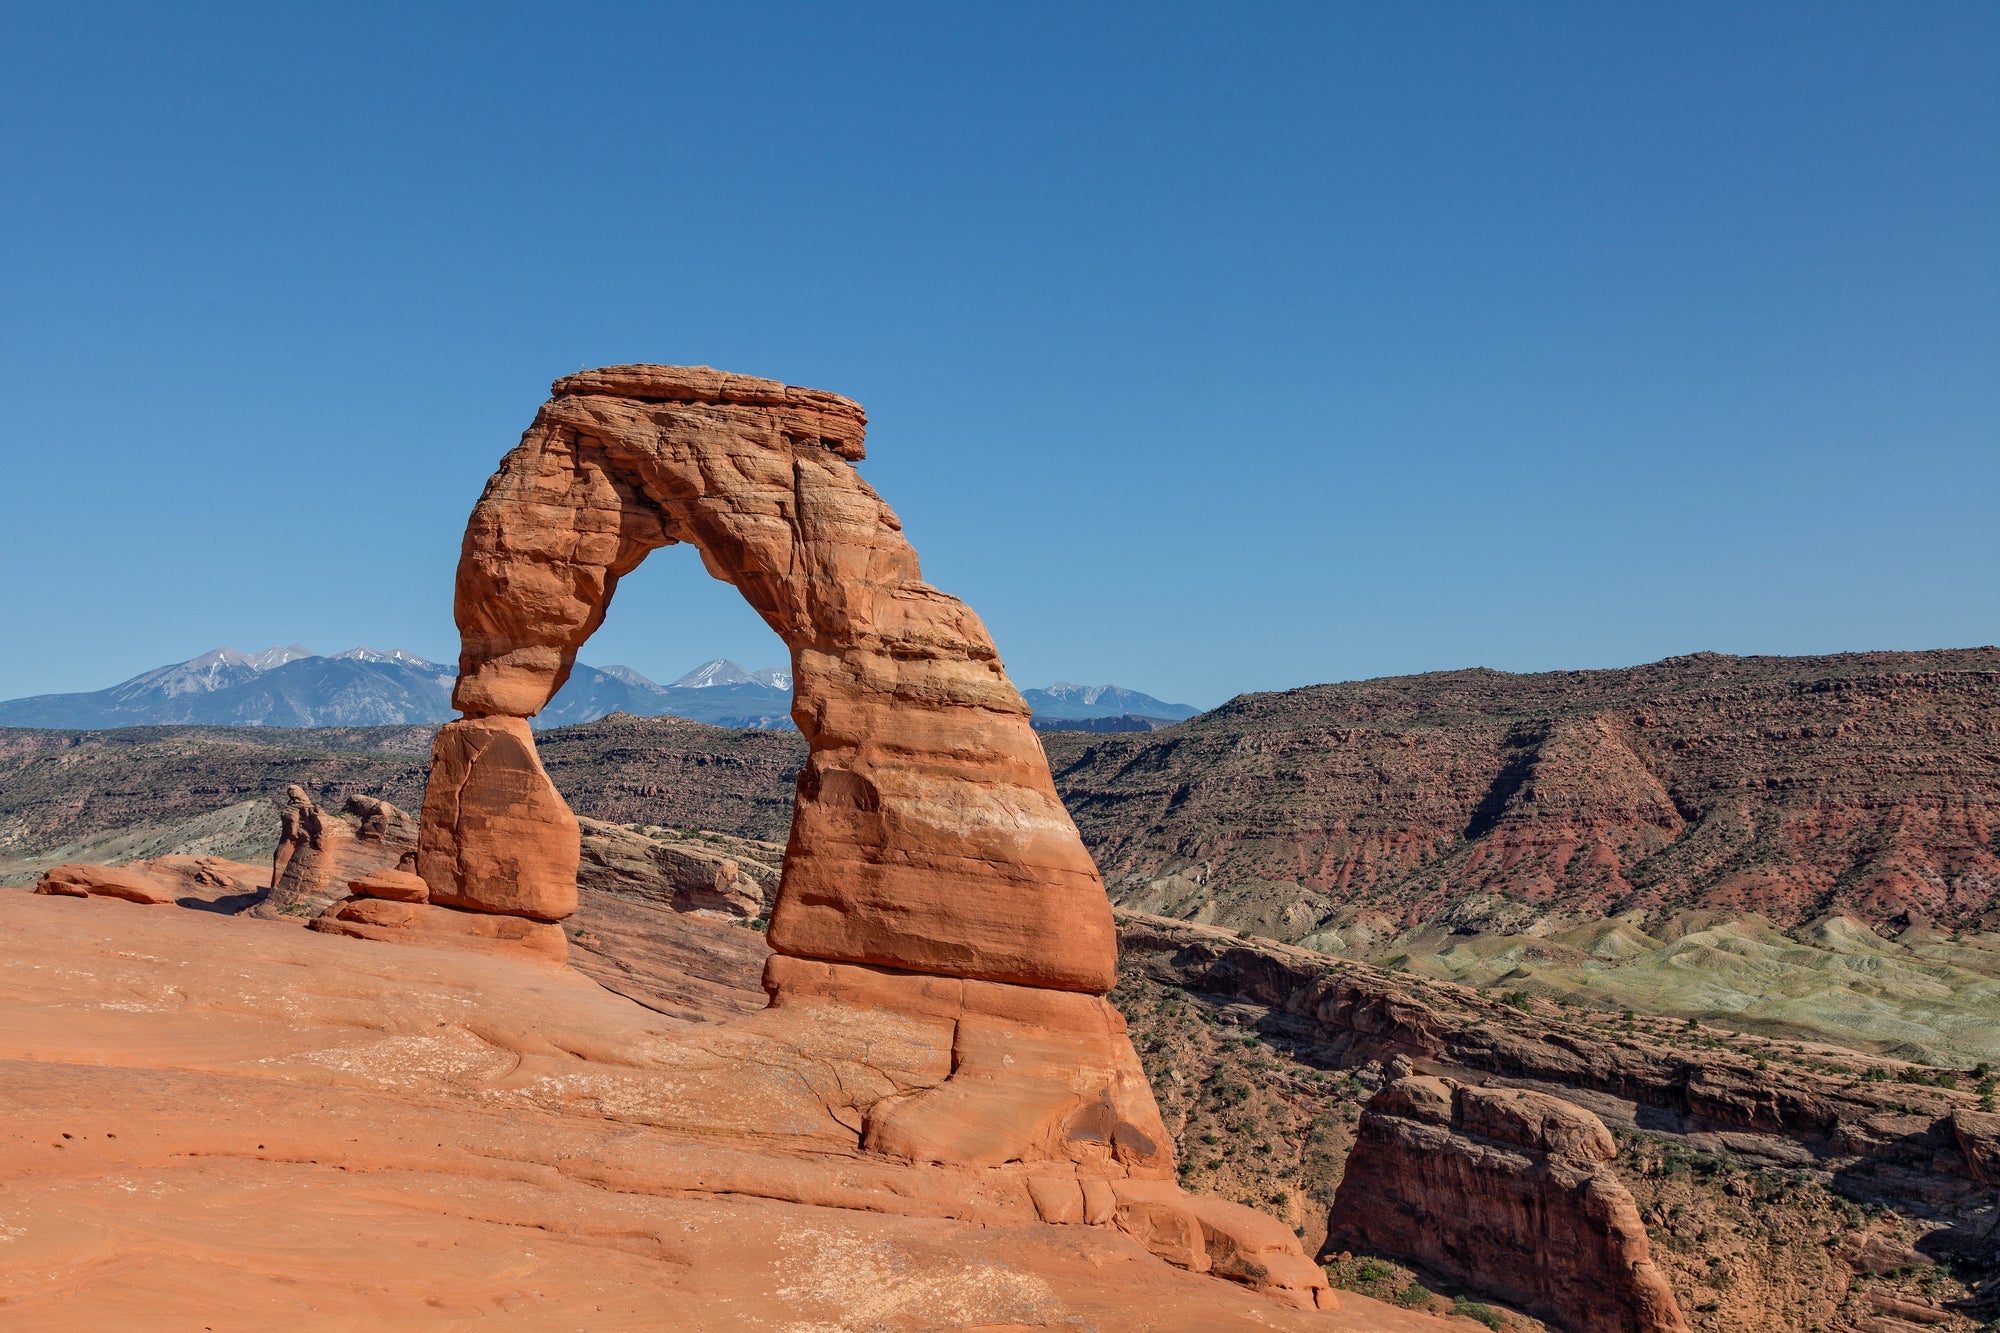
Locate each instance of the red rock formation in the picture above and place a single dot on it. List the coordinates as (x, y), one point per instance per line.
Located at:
(320, 851)
(396, 886)
(1863, 782)
(942, 939)
(404, 922)
(88, 881)
(926, 833)
(1509, 1190)
(496, 837)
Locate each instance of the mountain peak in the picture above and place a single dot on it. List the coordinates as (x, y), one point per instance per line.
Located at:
(397, 655)
(630, 677)
(275, 656)
(722, 671)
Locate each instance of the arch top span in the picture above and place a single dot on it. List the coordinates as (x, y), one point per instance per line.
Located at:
(926, 834)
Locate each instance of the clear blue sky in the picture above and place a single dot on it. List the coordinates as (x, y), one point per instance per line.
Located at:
(1207, 349)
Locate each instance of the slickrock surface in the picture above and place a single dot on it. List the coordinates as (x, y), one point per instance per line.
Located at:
(319, 850)
(233, 1123)
(1513, 1190)
(926, 834)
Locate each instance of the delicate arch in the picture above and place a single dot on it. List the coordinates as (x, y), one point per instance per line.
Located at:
(926, 832)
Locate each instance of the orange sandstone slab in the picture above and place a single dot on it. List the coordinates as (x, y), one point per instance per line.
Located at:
(413, 1137)
(92, 881)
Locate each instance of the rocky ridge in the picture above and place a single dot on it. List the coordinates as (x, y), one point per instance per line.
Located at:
(1353, 817)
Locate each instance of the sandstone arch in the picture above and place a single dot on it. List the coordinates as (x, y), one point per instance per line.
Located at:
(926, 835)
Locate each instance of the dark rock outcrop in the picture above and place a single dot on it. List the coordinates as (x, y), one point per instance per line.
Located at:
(1512, 1191)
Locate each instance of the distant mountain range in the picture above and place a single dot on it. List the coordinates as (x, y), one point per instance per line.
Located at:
(294, 687)
(1073, 702)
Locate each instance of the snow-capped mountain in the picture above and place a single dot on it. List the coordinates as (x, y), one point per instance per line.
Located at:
(377, 655)
(279, 687)
(1064, 700)
(292, 686)
(721, 692)
(722, 671)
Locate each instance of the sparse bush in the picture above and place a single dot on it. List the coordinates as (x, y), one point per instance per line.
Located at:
(1414, 1295)
(1477, 1313)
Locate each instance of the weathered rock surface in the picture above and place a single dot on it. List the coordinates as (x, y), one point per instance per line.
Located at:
(397, 886)
(686, 874)
(496, 837)
(319, 850)
(1512, 1190)
(682, 964)
(1977, 1135)
(926, 834)
(405, 922)
(223, 884)
(87, 881)
(380, 1128)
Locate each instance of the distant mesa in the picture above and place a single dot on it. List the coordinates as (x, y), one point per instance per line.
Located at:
(292, 686)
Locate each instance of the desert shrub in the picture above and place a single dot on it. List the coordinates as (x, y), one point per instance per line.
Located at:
(1477, 1313)
(1414, 1295)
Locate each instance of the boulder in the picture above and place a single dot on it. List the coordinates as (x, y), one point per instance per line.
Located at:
(399, 886)
(89, 881)
(1509, 1192)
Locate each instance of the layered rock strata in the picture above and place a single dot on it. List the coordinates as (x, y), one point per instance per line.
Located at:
(942, 939)
(1512, 1190)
